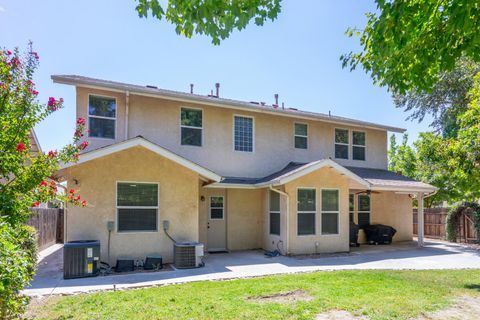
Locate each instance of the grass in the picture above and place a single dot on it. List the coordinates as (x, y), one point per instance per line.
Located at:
(376, 294)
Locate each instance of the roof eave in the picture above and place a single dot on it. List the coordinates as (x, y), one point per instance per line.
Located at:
(217, 102)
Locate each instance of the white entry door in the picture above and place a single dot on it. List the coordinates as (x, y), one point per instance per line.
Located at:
(216, 224)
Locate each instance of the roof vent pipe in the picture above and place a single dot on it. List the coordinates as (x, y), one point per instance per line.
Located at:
(217, 86)
(276, 99)
(191, 88)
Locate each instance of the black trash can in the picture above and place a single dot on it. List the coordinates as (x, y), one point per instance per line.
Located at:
(354, 235)
(379, 233)
(81, 259)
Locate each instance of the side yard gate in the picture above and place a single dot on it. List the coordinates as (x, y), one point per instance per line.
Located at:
(49, 226)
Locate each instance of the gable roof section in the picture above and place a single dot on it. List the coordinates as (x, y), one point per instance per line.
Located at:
(142, 142)
(372, 179)
(214, 101)
(292, 171)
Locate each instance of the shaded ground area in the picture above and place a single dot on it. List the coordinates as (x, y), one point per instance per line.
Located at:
(285, 297)
(244, 264)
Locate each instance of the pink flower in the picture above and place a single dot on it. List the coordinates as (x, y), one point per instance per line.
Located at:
(35, 204)
(61, 100)
(84, 203)
(43, 183)
(16, 62)
(71, 191)
(76, 156)
(21, 147)
(35, 55)
(8, 52)
(34, 92)
(83, 145)
(81, 121)
(51, 101)
(52, 154)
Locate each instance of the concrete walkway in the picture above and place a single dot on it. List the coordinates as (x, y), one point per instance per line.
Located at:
(243, 264)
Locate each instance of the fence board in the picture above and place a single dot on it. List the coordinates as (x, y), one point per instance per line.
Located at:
(435, 221)
(49, 226)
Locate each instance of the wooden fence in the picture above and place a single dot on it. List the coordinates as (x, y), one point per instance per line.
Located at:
(49, 226)
(435, 221)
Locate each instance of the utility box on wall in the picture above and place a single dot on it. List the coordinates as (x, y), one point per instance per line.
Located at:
(81, 259)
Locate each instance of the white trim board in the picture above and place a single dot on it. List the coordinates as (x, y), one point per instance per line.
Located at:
(142, 142)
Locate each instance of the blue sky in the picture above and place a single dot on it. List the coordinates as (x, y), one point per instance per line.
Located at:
(296, 56)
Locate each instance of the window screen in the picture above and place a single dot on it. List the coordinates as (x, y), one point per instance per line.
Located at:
(358, 145)
(101, 117)
(330, 211)
(306, 209)
(341, 143)
(137, 205)
(274, 209)
(191, 126)
(363, 210)
(301, 136)
(243, 134)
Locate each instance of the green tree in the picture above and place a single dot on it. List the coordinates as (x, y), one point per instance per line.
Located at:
(214, 18)
(25, 177)
(408, 44)
(448, 98)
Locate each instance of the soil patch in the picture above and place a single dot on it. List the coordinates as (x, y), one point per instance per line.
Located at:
(285, 297)
(338, 315)
(464, 308)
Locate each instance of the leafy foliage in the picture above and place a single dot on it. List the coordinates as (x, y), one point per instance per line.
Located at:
(453, 218)
(214, 18)
(26, 178)
(408, 44)
(447, 99)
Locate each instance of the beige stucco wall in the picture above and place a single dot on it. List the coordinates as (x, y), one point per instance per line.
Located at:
(159, 121)
(394, 210)
(244, 218)
(325, 178)
(178, 203)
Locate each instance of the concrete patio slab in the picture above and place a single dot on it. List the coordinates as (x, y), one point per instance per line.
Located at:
(243, 264)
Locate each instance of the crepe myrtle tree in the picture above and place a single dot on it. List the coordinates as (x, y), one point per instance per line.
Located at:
(26, 178)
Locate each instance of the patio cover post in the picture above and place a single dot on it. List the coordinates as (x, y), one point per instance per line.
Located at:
(420, 220)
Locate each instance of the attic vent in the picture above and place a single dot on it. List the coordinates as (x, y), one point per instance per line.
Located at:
(151, 87)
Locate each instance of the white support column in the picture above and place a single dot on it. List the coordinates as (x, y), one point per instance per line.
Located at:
(420, 219)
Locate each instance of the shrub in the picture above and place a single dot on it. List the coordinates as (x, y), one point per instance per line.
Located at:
(453, 218)
(18, 252)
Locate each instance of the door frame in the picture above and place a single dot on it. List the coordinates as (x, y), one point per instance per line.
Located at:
(224, 219)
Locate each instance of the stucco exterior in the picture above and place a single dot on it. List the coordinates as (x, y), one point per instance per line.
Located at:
(158, 120)
(178, 203)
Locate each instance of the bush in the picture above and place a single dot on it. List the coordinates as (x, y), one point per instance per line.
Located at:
(453, 218)
(18, 253)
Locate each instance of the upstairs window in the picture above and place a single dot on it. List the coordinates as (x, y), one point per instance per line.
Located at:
(191, 127)
(101, 117)
(363, 210)
(137, 206)
(243, 133)
(358, 145)
(274, 213)
(341, 143)
(301, 136)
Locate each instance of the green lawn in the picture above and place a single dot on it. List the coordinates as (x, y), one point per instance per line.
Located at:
(376, 294)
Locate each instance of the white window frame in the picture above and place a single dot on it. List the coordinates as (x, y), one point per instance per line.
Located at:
(337, 212)
(341, 143)
(362, 211)
(300, 136)
(314, 212)
(253, 133)
(101, 117)
(137, 207)
(190, 127)
(210, 207)
(270, 211)
(358, 145)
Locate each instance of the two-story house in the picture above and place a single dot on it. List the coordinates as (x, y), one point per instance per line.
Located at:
(231, 174)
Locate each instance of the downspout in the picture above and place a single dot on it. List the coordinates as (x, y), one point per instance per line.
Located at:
(287, 225)
(127, 102)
